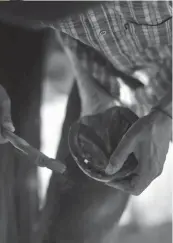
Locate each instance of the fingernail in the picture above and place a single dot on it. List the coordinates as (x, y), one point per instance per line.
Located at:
(109, 169)
(9, 126)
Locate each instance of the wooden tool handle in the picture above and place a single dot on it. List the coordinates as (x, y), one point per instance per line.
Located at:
(33, 154)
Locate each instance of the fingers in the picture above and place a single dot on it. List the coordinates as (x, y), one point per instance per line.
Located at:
(5, 114)
(150, 144)
(130, 140)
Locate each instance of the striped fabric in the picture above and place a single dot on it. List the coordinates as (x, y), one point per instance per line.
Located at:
(127, 33)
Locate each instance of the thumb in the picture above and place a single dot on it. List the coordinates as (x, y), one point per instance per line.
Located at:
(6, 120)
(120, 155)
(126, 146)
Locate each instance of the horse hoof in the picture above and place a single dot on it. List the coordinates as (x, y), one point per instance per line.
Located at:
(93, 139)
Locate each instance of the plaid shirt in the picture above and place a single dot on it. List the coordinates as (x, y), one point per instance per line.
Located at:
(127, 34)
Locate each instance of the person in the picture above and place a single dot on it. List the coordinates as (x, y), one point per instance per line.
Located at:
(149, 137)
(129, 35)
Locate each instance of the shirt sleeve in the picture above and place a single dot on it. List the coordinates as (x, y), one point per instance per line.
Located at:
(98, 66)
(144, 12)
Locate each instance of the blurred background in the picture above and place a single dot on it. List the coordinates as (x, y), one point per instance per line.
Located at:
(40, 80)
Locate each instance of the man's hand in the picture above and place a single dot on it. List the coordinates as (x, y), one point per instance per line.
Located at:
(5, 114)
(149, 139)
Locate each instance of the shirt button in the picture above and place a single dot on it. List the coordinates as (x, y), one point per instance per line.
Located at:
(102, 32)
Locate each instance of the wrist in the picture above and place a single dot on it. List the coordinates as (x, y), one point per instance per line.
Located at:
(165, 105)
